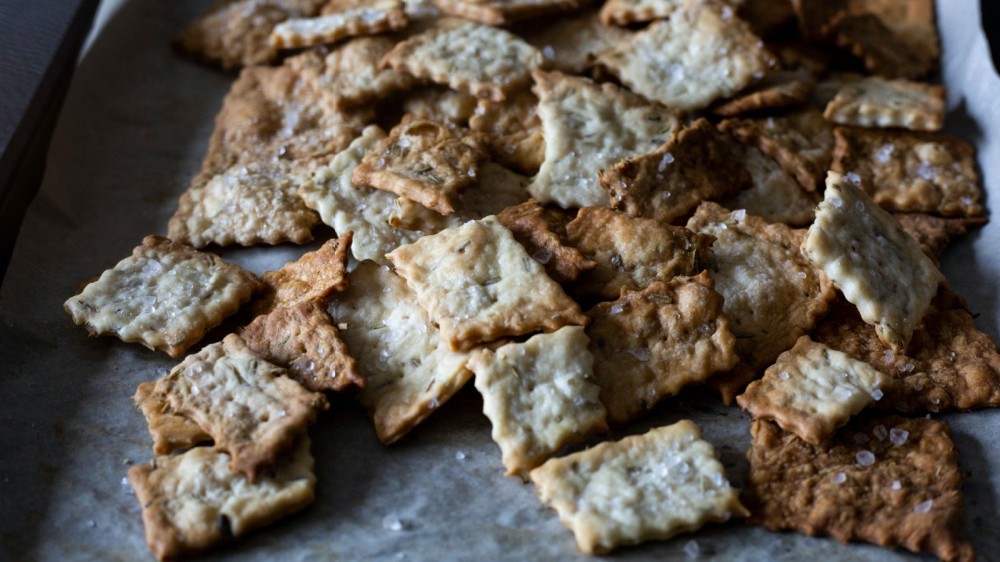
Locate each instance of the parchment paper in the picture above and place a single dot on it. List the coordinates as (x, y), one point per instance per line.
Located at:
(132, 134)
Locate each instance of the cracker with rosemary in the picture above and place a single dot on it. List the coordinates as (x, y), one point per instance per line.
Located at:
(339, 20)
(504, 12)
(311, 278)
(513, 131)
(542, 232)
(877, 102)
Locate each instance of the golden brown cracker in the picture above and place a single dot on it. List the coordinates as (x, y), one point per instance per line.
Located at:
(339, 20)
(311, 278)
(934, 234)
(779, 89)
(170, 432)
(513, 131)
(542, 232)
(504, 12)
(440, 104)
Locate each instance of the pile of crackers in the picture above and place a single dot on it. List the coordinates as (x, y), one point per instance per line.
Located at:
(585, 209)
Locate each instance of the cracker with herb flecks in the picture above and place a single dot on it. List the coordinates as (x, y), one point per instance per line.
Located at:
(194, 501)
(165, 296)
(631, 252)
(911, 171)
(644, 487)
(883, 52)
(872, 261)
(811, 390)
(696, 164)
(484, 61)
(650, 344)
(170, 432)
(252, 411)
(573, 45)
(934, 234)
(339, 20)
(775, 195)
(303, 339)
(877, 102)
(410, 371)
(660, 64)
(588, 127)
(312, 277)
(539, 395)
(542, 232)
(890, 481)
(424, 161)
(504, 12)
(513, 131)
(440, 104)
(478, 284)
(784, 88)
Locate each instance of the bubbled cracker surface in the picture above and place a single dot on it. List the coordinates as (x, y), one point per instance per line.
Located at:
(170, 432)
(312, 277)
(542, 232)
(513, 131)
(350, 18)
(876, 102)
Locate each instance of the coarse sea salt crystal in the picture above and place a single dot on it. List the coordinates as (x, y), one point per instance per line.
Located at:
(459, 456)
(549, 52)
(393, 523)
(665, 161)
(739, 214)
(923, 507)
(853, 178)
(898, 436)
(877, 394)
(865, 458)
(840, 478)
(691, 549)
(783, 375)
(896, 485)
(883, 153)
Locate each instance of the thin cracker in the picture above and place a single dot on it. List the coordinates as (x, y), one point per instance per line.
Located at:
(775, 195)
(513, 131)
(573, 45)
(340, 19)
(504, 12)
(170, 432)
(542, 232)
(312, 277)
(784, 88)
(877, 102)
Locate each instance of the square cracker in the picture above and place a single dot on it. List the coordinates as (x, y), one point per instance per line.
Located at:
(542, 232)
(784, 88)
(588, 127)
(630, 252)
(409, 369)
(539, 395)
(910, 171)
(170, 432)
(892, 282)
(644, 487)
(573, 45)
(773, 294)
(660, 64)
(424, 161)
(513, 131)
(252, 411)
(194, 501)
(312, 277)
(882, 51)
(877, 102)
(934, 234)
(812, 390)
(302, 339)
(775, 196)
(478, 284)
(340, 19)
(503, 12)
(665, 184)
(165, 296)
(485, 61)
(650, 344)
(910, 496)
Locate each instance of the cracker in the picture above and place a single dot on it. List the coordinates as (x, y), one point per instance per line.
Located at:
(644, 487)
(513, 131)
(503, 12)
(650, 344)
(485, 61)
(876, 102)
(587, 127)
(340, 19)
(539, 395)
(409, 369)
(800, 142)
(659, 63)
(348, 207)
(784, 88)
(627, 12)
(252, 411)
(631, 252)
(817, 17)
(573, 45)
(170, 432)
(165, 296)
(883, 52)
(542, 232)
(313, 277)
(949, 364)
(665, 184)
(478, 284)
(934, 234)
(424, 161)
(302, 339)
(892, 282)
(910, 496)
(192, 502)
(812, 390)
(910, 171)
(773, 294)
(913, 22)
(440, 104)
(775, 195)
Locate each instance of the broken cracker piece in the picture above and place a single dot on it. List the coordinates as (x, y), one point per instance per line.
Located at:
(170, 432)
(872, 261)
(340, 19)
(440, 104)
(539, 395)
(644, 487)
(165, 296)
(542, 232)
(513, 131)
(503, 12)
(877, 102)
(650, 344)
(775, 195)
(312, 277)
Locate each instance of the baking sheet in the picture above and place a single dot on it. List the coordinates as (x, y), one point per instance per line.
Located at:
(132, 134)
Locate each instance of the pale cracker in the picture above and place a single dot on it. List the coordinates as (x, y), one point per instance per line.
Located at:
(251, 410)
(504, 12)
(513, 131)
(627, 12)
(650, 344)
(303, 339)
(347, 18)
(478, 284)
(911, 171)
(573, 45)
(775, 196)
(170, 432)
(665, 184)
(872, 261)
(812, 390)
(539, 395)
(440, 104)
(348, 207)
(587, 127)
(410, 370)
(877, 102)
(631, 252)
(542, 232)
(644, 487)
(485, 61)
(312, 277)
(193, 501)
(660, 63)
(165, 296)
(784, 88)
(424, 161)
(882, 51)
